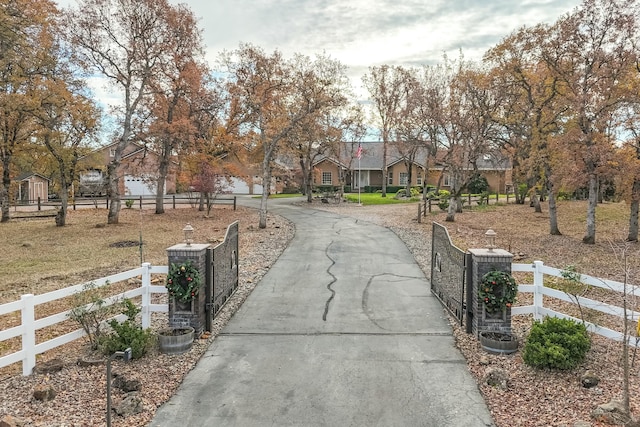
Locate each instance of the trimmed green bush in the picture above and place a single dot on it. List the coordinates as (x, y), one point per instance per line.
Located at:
(478, 184)
(556, 343)
(127, 334)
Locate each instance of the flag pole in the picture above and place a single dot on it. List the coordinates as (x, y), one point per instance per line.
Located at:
(359, 181)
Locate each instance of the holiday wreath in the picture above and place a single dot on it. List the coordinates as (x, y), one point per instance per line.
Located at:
(498, 291)
(183, 281)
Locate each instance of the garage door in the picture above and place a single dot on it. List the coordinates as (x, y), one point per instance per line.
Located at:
(140, 186)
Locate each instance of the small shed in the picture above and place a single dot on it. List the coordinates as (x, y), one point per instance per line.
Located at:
(32, 186)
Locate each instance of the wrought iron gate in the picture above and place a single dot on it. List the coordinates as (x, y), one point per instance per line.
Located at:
(221, 272)
(449, 266)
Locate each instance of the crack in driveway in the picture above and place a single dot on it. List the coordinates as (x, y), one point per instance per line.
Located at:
(365, 295)
(333, 293)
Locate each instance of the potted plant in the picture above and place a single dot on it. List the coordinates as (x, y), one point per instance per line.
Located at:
(496, 342)
(176, 340)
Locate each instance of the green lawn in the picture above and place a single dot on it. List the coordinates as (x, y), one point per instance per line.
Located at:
(376, 199)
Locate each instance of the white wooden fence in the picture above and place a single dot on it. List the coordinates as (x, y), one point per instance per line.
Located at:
(539, 290)
(29, 325)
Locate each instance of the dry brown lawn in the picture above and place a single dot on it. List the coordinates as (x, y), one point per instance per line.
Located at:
(526, 234)
(38, 257)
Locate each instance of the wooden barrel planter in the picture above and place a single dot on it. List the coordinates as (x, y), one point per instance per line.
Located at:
(498, 342)
(175, 340)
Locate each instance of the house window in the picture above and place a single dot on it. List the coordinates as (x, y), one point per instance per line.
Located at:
(326, 178)
(446, 180)
(390, 178)
(404, 176)
(112, 152)
(419, 179)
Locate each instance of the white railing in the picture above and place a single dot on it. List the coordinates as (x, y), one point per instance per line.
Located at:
(539, 290)
(29, 325)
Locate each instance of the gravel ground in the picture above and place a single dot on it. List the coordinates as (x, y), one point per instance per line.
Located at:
(531, 398)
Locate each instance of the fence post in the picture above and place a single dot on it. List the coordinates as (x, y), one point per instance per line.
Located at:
(39, 203)
(234, 203)
(174, 201)
(146, 295)
(538, 283)
(28, 334)
(419, 213)
(140, 202)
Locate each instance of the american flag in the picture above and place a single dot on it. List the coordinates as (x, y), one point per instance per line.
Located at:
(359, 152)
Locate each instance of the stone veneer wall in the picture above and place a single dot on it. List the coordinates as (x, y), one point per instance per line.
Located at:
(193, 314)
(484, 261)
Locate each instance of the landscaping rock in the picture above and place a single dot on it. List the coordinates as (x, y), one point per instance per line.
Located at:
(126, 384)
(131, 404)
(589, 379)
(11, 421)
(50, 366)
(496, 377)
(611, 413)
(44, 392)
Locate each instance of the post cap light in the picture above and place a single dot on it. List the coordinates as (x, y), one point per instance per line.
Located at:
(491, 238)
(188, 234)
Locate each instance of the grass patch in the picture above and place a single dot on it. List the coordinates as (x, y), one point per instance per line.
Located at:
(377, 199)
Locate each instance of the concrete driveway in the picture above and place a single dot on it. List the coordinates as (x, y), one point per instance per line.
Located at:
(342, 331)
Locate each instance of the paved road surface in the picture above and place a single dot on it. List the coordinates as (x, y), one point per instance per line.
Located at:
(342, 331)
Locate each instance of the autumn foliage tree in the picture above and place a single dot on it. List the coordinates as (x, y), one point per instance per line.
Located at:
(591, 52)
(180, 94)
(27, 33)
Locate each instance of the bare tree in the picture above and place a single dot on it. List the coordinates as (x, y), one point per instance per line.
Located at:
(276, 97)
(124, 41)
(384, 84)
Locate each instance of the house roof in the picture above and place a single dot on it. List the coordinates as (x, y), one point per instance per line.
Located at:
(371, 158)
(26, 175)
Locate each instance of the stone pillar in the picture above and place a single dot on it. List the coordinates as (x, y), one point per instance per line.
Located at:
(482, 262)
(193, 313)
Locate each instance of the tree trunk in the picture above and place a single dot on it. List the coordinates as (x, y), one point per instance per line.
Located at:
(553, 212)
(163, 171)
(384, 168)
(61, 217)
(451, 210)
(633, 216)
(113, 193)
(408, 187)
(4, 191)
(308, 186)
(537, 206)
(590, 236)
(266, 181)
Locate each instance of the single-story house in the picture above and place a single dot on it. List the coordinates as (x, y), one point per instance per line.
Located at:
(367, 169)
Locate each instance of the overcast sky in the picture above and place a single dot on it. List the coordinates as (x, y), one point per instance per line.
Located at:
(363, 33)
